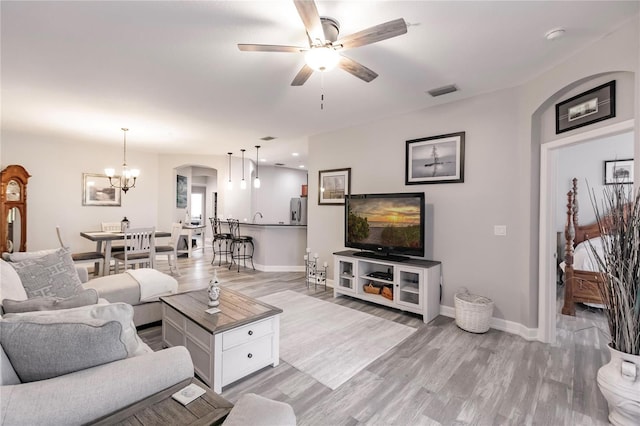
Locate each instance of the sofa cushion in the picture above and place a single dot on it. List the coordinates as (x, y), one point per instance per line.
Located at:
(116, 288)
(120, 312)
(40, 348)
(19, 256)
(8, 375)
(51, 303)
(53, 274)
(10, 284)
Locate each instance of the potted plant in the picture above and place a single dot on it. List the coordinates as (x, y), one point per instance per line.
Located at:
(619, 264)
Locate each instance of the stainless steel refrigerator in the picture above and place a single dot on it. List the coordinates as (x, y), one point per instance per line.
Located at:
(298, 211)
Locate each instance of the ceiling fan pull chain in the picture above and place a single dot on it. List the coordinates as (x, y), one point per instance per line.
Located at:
(321, 91)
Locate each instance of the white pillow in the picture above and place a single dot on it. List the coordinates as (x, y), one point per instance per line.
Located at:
(10, 284)
(121, 312)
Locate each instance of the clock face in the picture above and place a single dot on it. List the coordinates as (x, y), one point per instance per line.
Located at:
(13, 191)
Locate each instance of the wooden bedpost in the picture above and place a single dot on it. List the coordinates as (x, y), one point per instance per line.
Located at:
(576, 207)
(568, 307)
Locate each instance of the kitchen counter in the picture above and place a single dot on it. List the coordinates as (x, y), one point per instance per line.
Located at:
(279, 247)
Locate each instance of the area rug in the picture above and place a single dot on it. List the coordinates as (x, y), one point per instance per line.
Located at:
(330, 342)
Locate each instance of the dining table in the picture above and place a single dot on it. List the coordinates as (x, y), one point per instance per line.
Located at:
(107, 238)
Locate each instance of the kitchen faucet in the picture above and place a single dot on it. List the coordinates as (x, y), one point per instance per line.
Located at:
(254, 217)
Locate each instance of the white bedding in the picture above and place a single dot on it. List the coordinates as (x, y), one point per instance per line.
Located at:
(583, 258)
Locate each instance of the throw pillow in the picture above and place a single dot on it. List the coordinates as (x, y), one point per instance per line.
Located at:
(40, 349)
(19, 256)
(10, 284)
(53, 274)
(120, 312)
(50, 303)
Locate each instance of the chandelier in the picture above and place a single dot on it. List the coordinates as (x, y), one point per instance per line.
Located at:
(128, 176)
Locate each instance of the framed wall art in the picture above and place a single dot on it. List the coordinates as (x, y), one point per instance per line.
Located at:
(436, 159)
(618, 171)
(181, 192)
(333, 186)
(587, 108)
(97, 191)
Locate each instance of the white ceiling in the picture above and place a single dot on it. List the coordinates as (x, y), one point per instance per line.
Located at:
(172, 73)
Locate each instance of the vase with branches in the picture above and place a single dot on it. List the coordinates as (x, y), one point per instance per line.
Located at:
(618, 218)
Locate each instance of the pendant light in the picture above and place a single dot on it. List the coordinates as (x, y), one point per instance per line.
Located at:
(256, 182)
(243, 183)
(229, 184)
(128, 176)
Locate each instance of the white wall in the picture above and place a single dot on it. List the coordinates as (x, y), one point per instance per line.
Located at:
(54, 191)
(504, 131)
(278, 186)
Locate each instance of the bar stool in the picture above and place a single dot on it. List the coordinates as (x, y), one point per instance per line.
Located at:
(241, 245)
(220, 237)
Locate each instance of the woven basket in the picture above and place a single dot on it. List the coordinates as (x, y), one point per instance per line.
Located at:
(473, 313)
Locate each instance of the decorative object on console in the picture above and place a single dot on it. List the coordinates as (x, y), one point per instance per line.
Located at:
(13, 207)
(98, 191)
(587, 108)
(214, 290)
(124, 224)
(436, 159)
(333, 186)
(618, 171)
(619, 265)
(181, 192)
(127, 179)
(313, 272)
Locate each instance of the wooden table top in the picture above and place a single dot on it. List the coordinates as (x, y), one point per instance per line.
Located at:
(236, 309)
(161, 408)
(111, 236)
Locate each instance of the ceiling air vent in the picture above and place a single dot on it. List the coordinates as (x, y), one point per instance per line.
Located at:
(443, 90)
(279, 164)
(267, 138)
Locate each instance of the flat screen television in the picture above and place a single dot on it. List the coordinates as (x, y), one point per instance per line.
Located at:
(388, 226)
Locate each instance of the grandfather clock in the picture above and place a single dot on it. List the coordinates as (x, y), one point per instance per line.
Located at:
(13, 209)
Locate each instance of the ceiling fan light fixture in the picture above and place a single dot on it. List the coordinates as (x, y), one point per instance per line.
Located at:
(322, 58)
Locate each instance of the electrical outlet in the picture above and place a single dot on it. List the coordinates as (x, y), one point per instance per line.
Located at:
(500, 230)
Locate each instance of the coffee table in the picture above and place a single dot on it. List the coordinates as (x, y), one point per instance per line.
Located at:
(225, 347)
(208, 409)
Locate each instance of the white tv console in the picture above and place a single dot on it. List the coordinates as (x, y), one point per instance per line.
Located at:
(415, 282)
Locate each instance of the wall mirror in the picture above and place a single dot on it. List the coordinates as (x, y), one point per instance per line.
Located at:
(13, 209)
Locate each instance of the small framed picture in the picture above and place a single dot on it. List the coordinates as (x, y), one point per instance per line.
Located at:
(333, 186)
(618, 171)
(181, 191)
(97, 191)
(586, 108)
(436, 159)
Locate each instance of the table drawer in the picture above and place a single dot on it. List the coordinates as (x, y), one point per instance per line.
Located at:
(247, 333)
(247, 358)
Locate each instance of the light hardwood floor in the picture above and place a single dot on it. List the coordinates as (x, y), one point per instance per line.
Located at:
(439, 375)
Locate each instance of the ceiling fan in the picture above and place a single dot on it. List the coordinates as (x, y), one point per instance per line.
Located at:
(322, 53)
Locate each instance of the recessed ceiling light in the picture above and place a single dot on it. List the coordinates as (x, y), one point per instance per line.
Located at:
(295, 154)
(555, 33)
(267, 138)
(263, 160)
(301, 166)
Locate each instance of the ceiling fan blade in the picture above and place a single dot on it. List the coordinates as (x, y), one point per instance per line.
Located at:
(269, 48)
(302, 76)
(374, 34)
(357, 69)
(311, 19)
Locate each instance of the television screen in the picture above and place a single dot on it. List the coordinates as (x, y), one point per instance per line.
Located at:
(386, 223)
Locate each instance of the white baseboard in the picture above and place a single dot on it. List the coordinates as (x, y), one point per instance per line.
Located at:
(277, 268)
(499, 324)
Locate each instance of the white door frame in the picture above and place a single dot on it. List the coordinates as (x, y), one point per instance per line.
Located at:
(547, 243)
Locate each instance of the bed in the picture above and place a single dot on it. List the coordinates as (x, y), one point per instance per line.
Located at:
(581, 276)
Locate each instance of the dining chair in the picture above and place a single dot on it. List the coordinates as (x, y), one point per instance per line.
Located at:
(139, 248)
(171, 250)
(94, 257)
